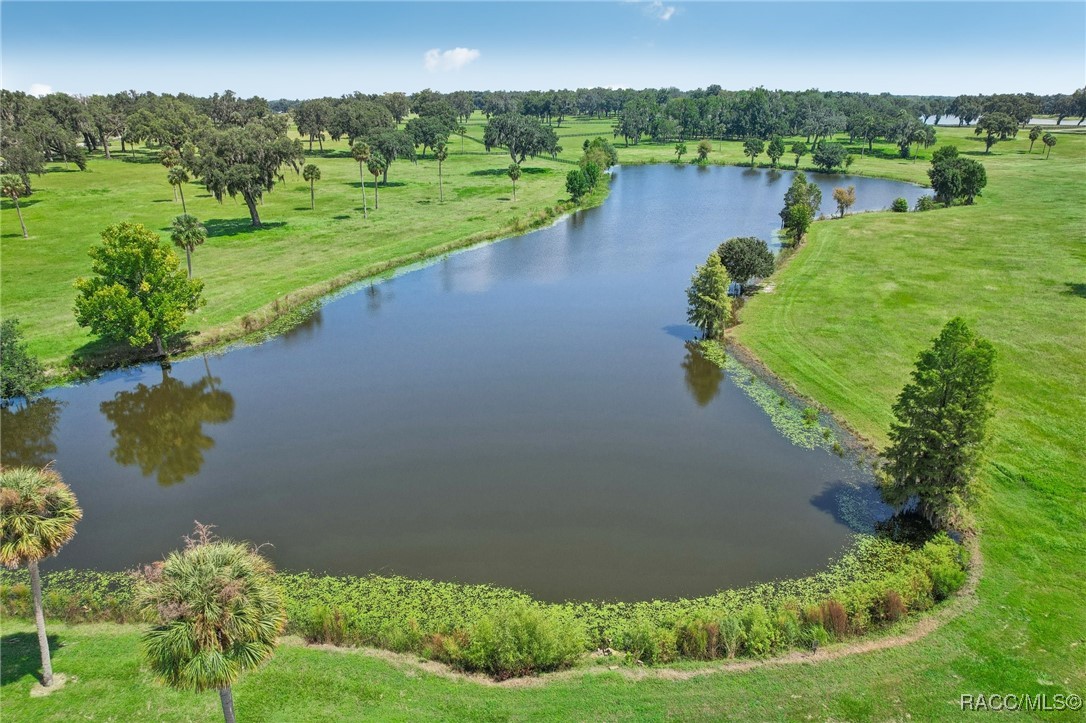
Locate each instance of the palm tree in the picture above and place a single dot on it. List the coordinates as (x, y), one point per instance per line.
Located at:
(514, 175)
(462, 131)
(12, 186)
(188, 233)
(312, 174)
(177, 176)
(1049, 140)
(218, 613)
(441, 153)
(376, 166)
(361, 152)
(169, 157)
(38, 513)
(680, 149)
(1034, 134)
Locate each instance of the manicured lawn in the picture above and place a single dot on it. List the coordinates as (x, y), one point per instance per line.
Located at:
(844, 323)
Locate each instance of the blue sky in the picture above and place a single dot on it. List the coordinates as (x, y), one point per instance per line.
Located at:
(296, 49)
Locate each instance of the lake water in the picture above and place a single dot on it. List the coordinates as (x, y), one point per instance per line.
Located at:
(525, 413)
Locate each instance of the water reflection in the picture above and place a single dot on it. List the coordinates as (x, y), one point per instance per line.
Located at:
(702, 377)
(26, 434)
(160, 428)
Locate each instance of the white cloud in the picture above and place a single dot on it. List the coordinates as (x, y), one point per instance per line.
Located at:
(40, 89)
(658, 10)
(436, 59)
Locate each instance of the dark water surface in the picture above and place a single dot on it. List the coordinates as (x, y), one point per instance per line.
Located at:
(524, 413)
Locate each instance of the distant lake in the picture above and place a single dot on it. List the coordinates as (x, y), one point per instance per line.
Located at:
(526, 413)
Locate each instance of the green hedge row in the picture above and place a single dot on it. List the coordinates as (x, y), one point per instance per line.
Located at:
(505, 633)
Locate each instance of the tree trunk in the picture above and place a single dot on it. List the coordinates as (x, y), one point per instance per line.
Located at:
(39, 620)
(312, 200)
(105, 145)
(384, 176)
(514, 190)
(251, 203)
(184, 208)
(226, 695)
(158, 345)
(440, 189)
(362, 174)
(19, 210)
(320, 142)
(376, 200)
(188, 256)
(174, 189)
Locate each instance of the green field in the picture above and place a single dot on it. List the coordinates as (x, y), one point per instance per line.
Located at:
(843, 325)
(298, 250)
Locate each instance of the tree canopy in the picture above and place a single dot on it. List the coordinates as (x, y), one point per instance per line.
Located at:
(745, 258)
(138, 294)
(940, 426)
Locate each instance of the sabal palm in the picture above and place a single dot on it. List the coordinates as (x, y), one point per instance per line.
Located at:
(361, 152)
(188, 233)
(376, 165)
(441, 153)
(514, 175)
(218, 612)
(312, 174)
(38, 514)
(177, 176)
(11, 186)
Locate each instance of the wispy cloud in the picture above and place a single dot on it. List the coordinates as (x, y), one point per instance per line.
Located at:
(436, 59)
(40, 89)
(659, 10)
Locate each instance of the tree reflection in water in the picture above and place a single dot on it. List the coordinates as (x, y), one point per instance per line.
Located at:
(26, 433)
(160, 428)
(703, 377)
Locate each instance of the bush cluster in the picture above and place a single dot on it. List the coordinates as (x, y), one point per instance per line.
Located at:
(504, 633)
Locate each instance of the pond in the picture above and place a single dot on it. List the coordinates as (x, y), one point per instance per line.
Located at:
(526, 413)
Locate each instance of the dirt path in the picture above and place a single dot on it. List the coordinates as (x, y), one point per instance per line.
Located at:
(963, 602)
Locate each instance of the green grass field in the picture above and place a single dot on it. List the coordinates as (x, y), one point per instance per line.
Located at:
(843, 325)
(247, 269)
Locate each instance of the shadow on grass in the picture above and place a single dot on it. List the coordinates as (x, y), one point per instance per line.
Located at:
(8, 205)
(233, 226)
(328, 153)
(369, 185)
(505, 171)
(22, 657)
(1074, 289)
(140, 157)
(340, 217)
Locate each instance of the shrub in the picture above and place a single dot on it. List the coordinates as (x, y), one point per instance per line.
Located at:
(834, 618)
(900, 205)
(323, 625)
(946, 579)
(646, 643)
(816, 636)
(925, 203)
(757, 631)
(698, 639)
(890, 607)
(521, 639)
(732, 636)
(810, 415)
(787, 630)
